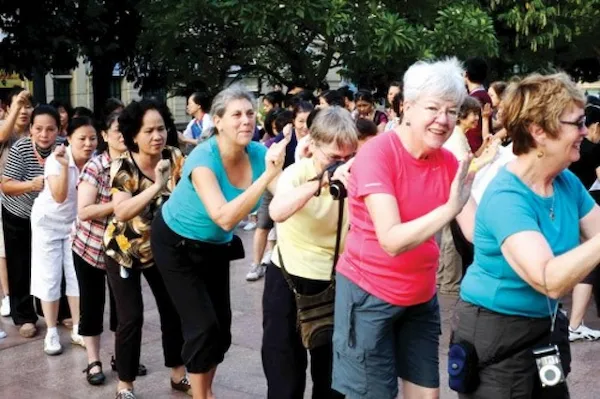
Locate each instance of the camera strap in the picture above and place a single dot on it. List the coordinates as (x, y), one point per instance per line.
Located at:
(336, 254)
(554, 313)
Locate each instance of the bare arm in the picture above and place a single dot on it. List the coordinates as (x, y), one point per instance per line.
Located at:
(288, 202)
(59, 185)
(127, 207)
(8, 126)
(396, 237)
(16, 187)
(562, 272)
(227, 214)
(87, 208)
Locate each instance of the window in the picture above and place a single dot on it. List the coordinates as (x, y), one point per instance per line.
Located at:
(62, 90)
(115, 87)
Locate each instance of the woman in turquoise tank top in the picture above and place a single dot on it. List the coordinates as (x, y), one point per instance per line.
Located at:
(528, 228)
(223, 180)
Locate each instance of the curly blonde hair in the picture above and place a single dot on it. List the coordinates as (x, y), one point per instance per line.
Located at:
(540, 100)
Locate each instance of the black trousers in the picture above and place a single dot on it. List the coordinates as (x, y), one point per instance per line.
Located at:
(284, 357)
(130, 316)
(198, 283)
(92, 297)
(17, 241)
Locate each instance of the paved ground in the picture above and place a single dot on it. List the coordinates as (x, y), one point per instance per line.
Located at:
(26, 372)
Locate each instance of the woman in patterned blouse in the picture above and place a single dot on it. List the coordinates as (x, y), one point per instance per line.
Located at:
(142, 180)
(94, 208)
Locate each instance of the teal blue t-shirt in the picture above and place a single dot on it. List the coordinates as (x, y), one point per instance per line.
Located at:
(509, 207)
(185, 213)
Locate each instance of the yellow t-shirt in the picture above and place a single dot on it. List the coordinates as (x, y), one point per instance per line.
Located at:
(307, 239)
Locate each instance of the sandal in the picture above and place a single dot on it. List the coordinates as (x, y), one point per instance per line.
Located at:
(95, 378)
(142, 370)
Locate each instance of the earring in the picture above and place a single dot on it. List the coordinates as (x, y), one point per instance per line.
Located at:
(540, 154)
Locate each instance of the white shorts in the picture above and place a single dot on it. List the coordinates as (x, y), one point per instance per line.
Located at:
(51, 255)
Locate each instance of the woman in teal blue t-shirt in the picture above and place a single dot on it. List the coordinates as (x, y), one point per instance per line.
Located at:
(223, 180)
(527, 235)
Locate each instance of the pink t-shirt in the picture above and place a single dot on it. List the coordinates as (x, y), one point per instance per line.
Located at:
(383, 166)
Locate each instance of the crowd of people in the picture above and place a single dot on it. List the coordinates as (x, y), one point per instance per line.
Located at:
(363, 214)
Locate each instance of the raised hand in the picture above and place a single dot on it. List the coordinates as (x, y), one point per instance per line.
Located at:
(162, 172)
(60, 153)
(37, 184)
(276, 156)
(460, 190)
(342, 173)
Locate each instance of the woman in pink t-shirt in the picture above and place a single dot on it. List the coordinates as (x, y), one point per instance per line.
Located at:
(403, 189)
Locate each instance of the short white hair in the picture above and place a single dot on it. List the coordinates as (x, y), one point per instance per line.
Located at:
(440, 79)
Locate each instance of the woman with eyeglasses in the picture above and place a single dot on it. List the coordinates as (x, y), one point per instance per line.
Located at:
(509, 296)
(307, 220)
(404, 187)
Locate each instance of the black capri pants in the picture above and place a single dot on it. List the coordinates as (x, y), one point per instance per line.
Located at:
(198, 283)
(92, 297)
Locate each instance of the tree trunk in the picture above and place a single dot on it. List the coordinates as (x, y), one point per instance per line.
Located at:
(101, 79)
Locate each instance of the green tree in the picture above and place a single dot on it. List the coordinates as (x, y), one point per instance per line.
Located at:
(54, 33)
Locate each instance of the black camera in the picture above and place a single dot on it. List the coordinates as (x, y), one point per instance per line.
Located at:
(336, 187)
(549, 367)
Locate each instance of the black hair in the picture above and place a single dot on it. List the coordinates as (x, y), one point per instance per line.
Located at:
(82, 111)
(346, 93)
(323, 86)
(275, 98)
(15, 92)
(79, 121)
(45, 109)
(306, 95)
(366, 128)
(476, 69)
(132, 117)
(56, 103)
(302, 106)
(333, 97)
(270, 119)
(111, 105)
(107, 123)
(397, 104)
(364, 95)
(396, 83)
(311, 117)
(202, 99)
(592, 111)
(284, 118)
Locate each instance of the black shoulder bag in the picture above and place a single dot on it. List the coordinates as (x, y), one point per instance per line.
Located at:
(315, 312)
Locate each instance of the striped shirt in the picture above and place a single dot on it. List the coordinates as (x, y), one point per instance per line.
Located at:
(22, 165)
(89, 234)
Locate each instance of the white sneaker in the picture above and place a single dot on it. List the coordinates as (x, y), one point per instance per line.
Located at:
(249, 226)
(52, 345)
(266, 258)
(256, 272)
(2, 334)
(583, 332)
(5, 307)
(77, 339)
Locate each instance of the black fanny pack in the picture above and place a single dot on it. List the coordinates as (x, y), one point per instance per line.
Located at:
(232, 250)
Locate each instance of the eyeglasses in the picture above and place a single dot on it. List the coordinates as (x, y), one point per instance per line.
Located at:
(580, 124)
(434, 112)
(335, 158)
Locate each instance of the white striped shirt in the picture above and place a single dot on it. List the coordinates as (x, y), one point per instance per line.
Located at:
(22, 165)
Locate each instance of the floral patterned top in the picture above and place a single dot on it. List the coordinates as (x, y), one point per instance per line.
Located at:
(128, 243)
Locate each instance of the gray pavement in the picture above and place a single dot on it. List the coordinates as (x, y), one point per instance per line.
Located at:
(26, 372)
